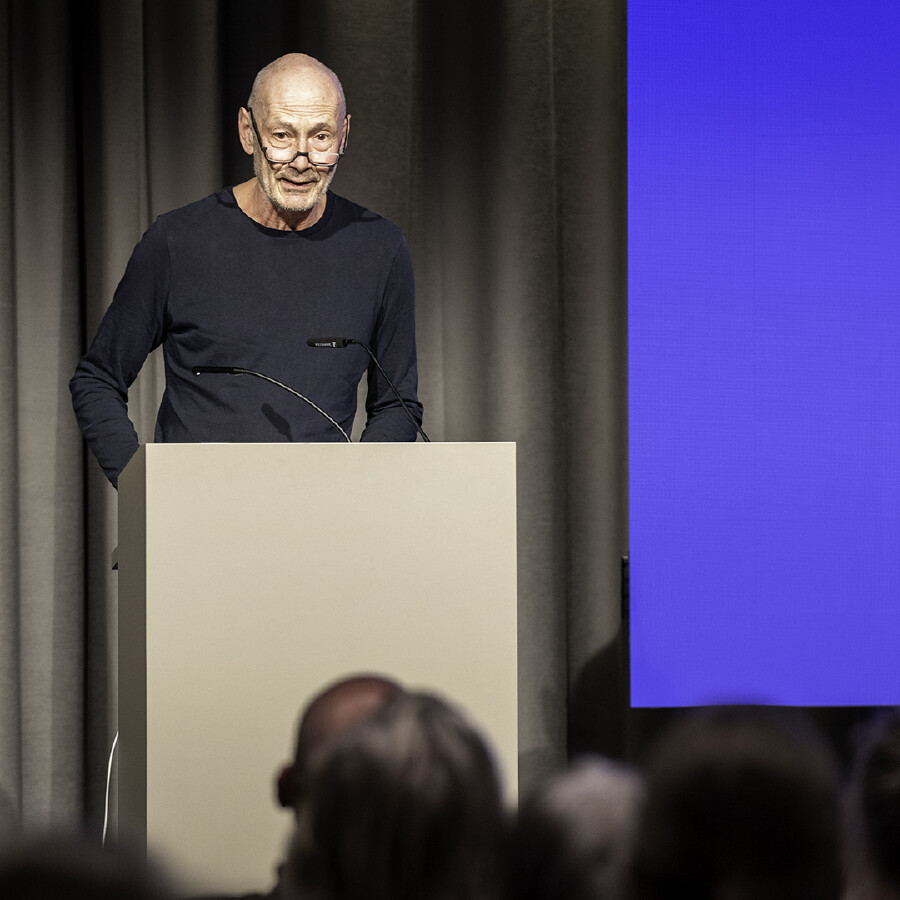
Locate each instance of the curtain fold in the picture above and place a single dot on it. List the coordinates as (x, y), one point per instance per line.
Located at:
(10, 708)
(43, 619)
(493, 133)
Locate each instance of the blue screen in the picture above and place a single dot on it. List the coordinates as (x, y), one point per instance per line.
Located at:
(764, 351)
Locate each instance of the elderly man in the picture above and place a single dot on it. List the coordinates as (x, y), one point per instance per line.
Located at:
(244, 277)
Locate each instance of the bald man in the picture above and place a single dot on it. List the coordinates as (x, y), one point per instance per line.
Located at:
(244, 277)
(331, 713)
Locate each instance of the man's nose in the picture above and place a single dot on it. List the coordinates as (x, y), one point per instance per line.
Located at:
(299, 162)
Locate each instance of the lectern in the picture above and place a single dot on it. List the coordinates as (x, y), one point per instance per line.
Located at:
(250, 575)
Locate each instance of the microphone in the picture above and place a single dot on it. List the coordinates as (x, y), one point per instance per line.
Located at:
(237, 370)
(340, 343)
(216, 370)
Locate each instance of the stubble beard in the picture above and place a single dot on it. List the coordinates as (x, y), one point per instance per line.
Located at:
(268, 179)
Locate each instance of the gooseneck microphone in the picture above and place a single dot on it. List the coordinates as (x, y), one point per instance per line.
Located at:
(236, 370)
(339, 343)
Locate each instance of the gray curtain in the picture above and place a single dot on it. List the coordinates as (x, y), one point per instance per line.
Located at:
(494, 134)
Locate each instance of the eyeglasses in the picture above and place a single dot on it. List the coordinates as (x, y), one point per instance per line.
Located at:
(322, 155)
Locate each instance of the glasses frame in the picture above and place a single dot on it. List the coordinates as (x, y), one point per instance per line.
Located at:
(287, 162)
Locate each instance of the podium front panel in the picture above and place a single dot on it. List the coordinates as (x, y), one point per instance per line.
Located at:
(251, 575)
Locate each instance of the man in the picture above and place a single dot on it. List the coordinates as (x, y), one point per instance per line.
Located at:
(873, 811)
(331, 713)
(244, 277)
(573, 835)
(740, 802)
(42, 865)
(405, 805)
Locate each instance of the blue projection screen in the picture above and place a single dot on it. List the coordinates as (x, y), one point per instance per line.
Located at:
(764, 351)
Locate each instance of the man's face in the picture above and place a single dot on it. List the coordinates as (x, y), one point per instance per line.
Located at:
(302, 111)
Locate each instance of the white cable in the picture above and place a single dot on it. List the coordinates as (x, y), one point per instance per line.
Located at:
(108, 782)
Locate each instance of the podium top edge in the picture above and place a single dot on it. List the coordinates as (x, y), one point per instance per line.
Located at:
(327, 444)
(156, 453)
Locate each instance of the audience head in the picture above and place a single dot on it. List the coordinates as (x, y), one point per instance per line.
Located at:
(49, 867)
(330, 712)
(741, 804)
(405, 805)
(875, 809)
(573, 835)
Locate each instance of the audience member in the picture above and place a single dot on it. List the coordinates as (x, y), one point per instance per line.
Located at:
(56, 866)
(573, 836)
(874, 814)
(332, 711)
(741, 804)
(406, 805)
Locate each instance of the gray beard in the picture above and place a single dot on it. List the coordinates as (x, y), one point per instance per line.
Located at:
(305, 206)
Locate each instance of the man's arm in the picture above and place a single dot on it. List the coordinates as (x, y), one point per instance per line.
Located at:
(132, 327)
(394, 344)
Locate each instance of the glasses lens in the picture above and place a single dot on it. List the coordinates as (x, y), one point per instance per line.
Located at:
(323, 159)
(280, 154)
(315, 157)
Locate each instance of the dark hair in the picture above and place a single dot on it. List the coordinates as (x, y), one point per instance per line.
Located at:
(406, 805)
(572, 837)
(50, 866)
(875, 794)
(741, 803)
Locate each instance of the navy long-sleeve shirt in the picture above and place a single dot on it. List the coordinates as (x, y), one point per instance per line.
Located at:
(216, 288)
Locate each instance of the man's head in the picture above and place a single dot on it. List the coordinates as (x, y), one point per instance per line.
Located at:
(404, 805)
(574, 834)
(329, 714)
(740, 803)
(296, 106)
(49, 865)
(875, 804)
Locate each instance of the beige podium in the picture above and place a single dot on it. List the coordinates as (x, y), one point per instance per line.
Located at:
(250, 575)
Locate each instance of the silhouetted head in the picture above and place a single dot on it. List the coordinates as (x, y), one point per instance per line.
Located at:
(875, 807)
(741, 803)
(331, 712)
(406, 805)
(54, 866)
(573, 836)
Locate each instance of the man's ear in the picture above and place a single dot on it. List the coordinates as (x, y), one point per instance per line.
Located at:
(245, 131)
(284, 785)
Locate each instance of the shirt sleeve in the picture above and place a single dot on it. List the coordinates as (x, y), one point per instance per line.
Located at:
(394, 345)
(133, 325)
